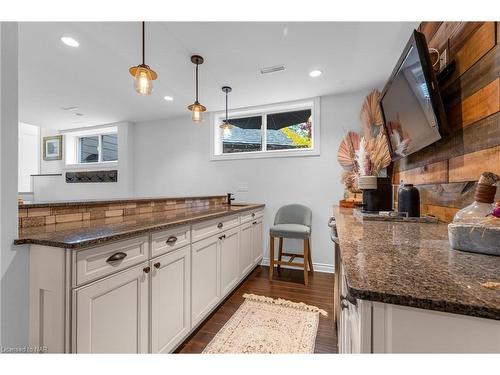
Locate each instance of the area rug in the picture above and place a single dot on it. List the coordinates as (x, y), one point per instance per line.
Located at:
(266, 325)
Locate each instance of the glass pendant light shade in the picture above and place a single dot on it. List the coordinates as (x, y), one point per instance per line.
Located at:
(226, 128)
(197, 112)
(143, 80)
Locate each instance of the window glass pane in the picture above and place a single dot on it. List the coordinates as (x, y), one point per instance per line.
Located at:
(245, 135)
(88, 149)
(109, 147)
(289, 130)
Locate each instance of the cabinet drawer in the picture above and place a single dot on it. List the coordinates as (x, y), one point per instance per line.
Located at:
(213, 227)
(170, 239)
(250, 215)
(98, 262)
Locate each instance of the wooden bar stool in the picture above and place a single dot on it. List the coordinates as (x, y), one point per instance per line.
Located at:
(292, 221)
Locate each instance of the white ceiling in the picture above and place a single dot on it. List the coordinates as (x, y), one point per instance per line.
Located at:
(94, 77)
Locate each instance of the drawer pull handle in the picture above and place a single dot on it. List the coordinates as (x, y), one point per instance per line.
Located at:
(222, 237)
(220, 225)
(253, 214)
(254, 223)
(157, 265)
(116, 257)
(344, 305)
(349, 299)
(146, 269)
(171, 240)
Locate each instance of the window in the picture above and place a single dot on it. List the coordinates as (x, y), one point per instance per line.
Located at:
(286, 129)
(98, 148)
(94, 146)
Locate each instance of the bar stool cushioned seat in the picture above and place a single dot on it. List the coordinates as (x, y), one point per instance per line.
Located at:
(290, 231)
(291, 221)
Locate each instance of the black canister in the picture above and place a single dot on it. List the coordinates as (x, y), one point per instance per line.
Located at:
(409, 200)
(379, 199)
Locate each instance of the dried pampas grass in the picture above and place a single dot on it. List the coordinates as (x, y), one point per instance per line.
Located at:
(371, 116)
(379, 153)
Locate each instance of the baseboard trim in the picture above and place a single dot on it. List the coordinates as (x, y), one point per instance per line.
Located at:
(319, 267)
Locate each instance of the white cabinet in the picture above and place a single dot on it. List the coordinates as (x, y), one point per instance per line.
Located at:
(143, 294)
(246, 248)
(205, 271)
(170, 299)
(111, 314)
(257, 240)
(229, 248)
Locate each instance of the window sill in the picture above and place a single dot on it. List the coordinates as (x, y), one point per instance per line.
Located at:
(265, 154)
(91, 166)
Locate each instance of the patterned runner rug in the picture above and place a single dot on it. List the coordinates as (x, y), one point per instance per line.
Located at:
(266, 325)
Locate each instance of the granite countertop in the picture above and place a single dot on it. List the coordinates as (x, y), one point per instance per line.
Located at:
(82, 234)
(413, 264)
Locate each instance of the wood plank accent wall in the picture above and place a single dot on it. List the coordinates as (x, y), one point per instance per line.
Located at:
(471, 96)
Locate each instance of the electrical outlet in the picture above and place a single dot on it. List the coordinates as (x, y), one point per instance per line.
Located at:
(242, 186)
(443, 57)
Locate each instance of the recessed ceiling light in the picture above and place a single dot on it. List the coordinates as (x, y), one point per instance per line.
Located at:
(315, 73)
(168, 98)
(69, 41)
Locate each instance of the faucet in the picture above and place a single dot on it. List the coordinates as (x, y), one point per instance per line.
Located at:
(230, 198)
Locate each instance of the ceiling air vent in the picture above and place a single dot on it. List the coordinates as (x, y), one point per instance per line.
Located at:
(272, 69)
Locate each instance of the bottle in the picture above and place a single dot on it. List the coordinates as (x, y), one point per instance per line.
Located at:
(480, 208)
(409, 200)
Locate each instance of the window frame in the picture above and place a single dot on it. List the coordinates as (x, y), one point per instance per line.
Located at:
(216, 139)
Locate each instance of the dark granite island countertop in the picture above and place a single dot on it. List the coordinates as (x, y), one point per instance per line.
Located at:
(413, 264)
(87, 233)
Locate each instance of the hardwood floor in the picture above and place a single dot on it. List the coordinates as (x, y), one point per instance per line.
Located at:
(287, 285)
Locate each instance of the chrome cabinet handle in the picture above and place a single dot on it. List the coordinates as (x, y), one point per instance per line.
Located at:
(157, 265)
(349, 299)
(253, 214)
(220, 225)
(222, 237)
(254, 223)
(116, 257)
(171, 240)
(331, 222)
(146, 269)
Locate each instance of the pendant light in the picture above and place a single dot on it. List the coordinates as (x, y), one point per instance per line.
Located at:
(143, 74)
(226, 126)
(196, 108)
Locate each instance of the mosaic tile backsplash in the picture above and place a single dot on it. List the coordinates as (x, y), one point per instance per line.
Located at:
(33, 215)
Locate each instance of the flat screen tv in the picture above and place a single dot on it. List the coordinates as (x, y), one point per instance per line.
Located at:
(411, 104)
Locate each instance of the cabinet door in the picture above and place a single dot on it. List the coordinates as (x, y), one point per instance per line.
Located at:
(170, 299)
(205, 272)
(246, 248)
(229, 266)
(112, 314)
(257, 240)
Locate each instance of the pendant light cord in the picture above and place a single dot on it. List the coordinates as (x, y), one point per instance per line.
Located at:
(196, 82)
(226, 106)
(143, 42)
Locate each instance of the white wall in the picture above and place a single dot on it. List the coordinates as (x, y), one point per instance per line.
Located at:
(50, 188)
(172, 159)
(13, 259)
(29, 155)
